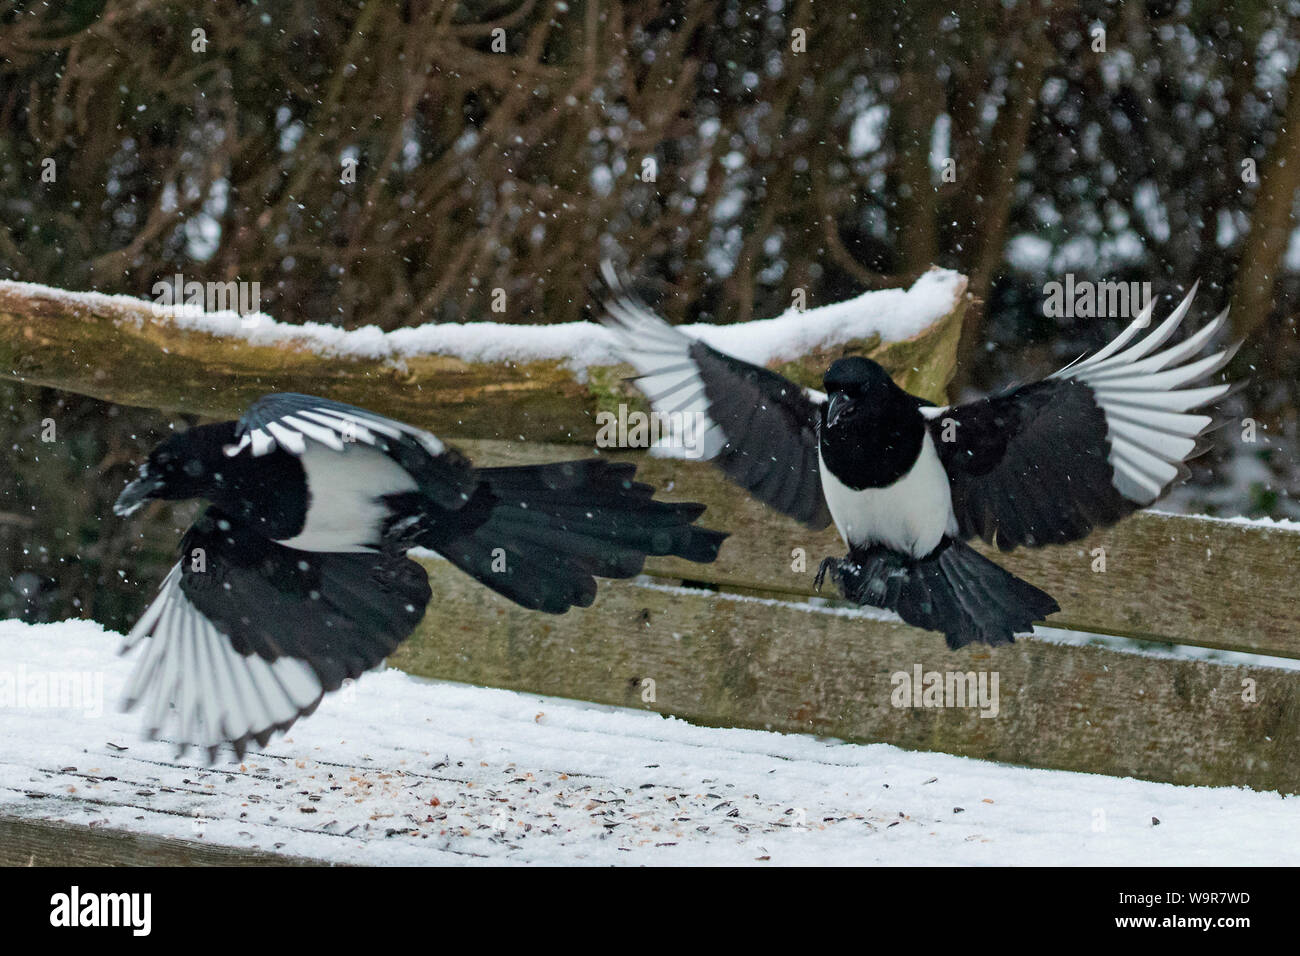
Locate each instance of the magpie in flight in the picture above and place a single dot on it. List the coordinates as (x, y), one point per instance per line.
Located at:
(908, 483)
(296, 577)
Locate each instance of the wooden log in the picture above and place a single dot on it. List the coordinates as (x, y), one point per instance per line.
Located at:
(731, 661)
(136, 353)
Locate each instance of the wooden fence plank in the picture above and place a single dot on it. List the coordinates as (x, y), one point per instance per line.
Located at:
(730, 661)
(26, 841)
(1168, 577)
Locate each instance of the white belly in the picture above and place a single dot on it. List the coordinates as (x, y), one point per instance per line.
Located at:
(345, 509)
(911, 515)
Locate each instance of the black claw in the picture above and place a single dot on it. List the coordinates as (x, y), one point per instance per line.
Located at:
(828, 564)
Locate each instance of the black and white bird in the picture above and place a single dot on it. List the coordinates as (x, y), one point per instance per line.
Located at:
(908, 483)
(296, 576)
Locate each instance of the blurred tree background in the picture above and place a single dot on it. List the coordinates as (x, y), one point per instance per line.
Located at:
(504, 144)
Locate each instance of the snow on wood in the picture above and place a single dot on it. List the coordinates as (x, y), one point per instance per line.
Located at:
(487, 380)
(890, 314)
(396, 770)
(1284, 524)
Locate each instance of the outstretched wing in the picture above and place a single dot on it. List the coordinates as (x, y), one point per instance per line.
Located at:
(247, 635)
(757, 426)
(291, 421)
(1047, 462)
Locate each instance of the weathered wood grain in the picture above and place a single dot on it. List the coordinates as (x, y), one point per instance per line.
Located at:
(1168, 577)
(133, 354)
(26, 841)
(728, 661)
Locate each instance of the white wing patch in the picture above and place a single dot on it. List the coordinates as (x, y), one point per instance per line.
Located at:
(197, 689)
(333, 428)
(1148, 420)
(347, 505)
(669, 378)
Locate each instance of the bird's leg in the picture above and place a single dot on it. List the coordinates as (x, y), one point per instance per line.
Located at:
(400, 536)
(828, 564)
(875, 576)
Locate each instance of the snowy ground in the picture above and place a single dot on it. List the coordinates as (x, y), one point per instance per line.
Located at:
(398, 770)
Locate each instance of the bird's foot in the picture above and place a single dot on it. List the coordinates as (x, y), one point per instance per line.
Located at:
(843, 572)
(873, 578)
(402, 533)
(828, 564)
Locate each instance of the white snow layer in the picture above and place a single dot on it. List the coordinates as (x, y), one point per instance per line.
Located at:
(398, 770)
(893, 314)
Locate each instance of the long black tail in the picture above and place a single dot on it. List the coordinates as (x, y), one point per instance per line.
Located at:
(953, 589)
(541, 534)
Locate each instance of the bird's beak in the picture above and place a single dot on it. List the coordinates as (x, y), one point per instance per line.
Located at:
(135, 494)
(836, 407)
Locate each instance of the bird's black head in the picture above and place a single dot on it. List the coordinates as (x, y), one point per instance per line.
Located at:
(187, 465)
(872, 430)
(855, 386)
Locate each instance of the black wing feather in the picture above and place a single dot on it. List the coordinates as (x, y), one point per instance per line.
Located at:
(1029, 467)
(761, 427)
(341, 612)
(246, 635)
(1048, 462)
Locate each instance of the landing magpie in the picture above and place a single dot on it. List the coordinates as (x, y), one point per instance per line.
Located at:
(296, 576)
(908, 483)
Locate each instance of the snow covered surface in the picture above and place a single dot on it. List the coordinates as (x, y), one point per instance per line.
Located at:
(1281, 524)
(399, 770)
(893, 314)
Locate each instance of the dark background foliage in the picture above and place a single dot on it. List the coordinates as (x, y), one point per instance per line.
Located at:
(776, 170)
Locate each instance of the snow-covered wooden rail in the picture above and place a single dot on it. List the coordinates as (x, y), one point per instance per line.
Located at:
(744, 642)
(486, 380)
